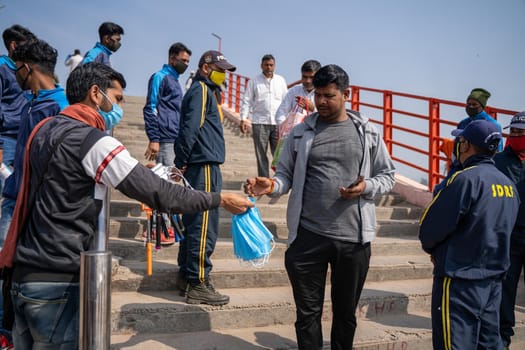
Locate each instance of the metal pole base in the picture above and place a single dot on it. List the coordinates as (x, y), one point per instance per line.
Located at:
(95, 300)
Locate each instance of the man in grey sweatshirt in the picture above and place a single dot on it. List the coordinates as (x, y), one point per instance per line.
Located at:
(334, 163)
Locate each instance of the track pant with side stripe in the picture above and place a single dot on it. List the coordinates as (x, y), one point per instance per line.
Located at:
(202, 229)
(465, 314)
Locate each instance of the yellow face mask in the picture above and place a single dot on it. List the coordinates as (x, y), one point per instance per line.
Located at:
(217, 77)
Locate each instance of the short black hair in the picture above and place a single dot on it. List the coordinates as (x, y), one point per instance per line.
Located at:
(178, 47)
(311, 66)
(82, 78)
(109, 28)
(39, 53)
(267, 57)
(329, 74)
(18, 34)
(76, 52)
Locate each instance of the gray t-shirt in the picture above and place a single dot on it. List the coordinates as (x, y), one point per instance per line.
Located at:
(333, 163)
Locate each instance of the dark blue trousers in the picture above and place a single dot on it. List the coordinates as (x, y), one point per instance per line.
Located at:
(202, 229)
(510, 288)
(465, 314)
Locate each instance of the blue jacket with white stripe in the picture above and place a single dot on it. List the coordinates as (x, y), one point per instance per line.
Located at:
(99, 54)
(163, 106)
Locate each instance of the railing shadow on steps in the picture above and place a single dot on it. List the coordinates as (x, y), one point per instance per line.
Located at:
(213, 339)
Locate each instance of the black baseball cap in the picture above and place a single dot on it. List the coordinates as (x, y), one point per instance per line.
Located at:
(216, 58)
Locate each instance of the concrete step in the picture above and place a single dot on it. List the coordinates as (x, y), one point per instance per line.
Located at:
(166, 311)
(233, 273)
(133, 227)
(133, 249)
(411, 331)
(127, 208)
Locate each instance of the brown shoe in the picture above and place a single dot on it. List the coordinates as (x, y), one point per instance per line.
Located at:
(204, 293)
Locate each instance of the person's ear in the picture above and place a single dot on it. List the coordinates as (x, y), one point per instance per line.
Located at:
(346, 93)
(94, 95)
(11, 46)
(206, 68)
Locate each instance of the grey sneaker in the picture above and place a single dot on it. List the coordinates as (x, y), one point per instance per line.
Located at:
(204, 293)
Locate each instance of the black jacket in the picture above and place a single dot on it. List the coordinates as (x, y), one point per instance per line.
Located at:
(71, 165)
(201, 139)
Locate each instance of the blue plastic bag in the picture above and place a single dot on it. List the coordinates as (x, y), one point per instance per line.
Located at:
(252, 241)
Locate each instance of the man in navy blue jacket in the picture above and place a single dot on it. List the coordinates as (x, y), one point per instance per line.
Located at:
(199, 152)
(35, 61)
(163, 104)
(466, 229)
(11, 94)
(511, 162)
(110, 35)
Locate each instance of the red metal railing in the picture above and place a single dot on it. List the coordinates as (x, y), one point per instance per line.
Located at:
(413, 126)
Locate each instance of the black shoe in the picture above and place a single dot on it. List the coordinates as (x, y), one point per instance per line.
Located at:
(204, 293)
(182, 285)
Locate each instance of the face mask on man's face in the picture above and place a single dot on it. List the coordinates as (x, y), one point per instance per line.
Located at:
(114, 116)
(217, 77)
(471, 111)
(179, 66)
(517, 143)
(113, 45)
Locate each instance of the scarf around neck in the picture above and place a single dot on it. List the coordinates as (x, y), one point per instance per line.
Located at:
(81, 112)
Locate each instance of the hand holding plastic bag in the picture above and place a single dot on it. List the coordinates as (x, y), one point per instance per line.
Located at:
(252, 241)
(296, 116)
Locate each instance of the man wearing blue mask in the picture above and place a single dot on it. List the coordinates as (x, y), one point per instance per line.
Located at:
(199, 151)
(163, 103)
(70, 161)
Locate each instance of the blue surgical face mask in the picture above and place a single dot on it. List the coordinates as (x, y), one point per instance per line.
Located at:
(113, 117)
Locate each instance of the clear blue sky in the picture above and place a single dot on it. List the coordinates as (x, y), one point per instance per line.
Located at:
(432, 48)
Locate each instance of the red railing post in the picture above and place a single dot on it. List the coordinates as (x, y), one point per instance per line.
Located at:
(433, 143)
(387, 120)
(355, 98)
(238, 94)
(230, 89)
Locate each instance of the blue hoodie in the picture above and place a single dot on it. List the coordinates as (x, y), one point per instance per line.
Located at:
(11, 98)
(163, 106)
(48, 103)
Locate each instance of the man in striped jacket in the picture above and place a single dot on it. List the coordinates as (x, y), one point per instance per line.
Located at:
(69, 162)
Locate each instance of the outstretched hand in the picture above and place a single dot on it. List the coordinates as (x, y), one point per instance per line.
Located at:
(235, 203)
(258, 186)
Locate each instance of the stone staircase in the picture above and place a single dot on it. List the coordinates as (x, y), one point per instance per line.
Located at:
(148, 313)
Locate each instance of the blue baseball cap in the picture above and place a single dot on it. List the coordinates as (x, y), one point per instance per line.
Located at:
(481, 133)
(518, 121)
